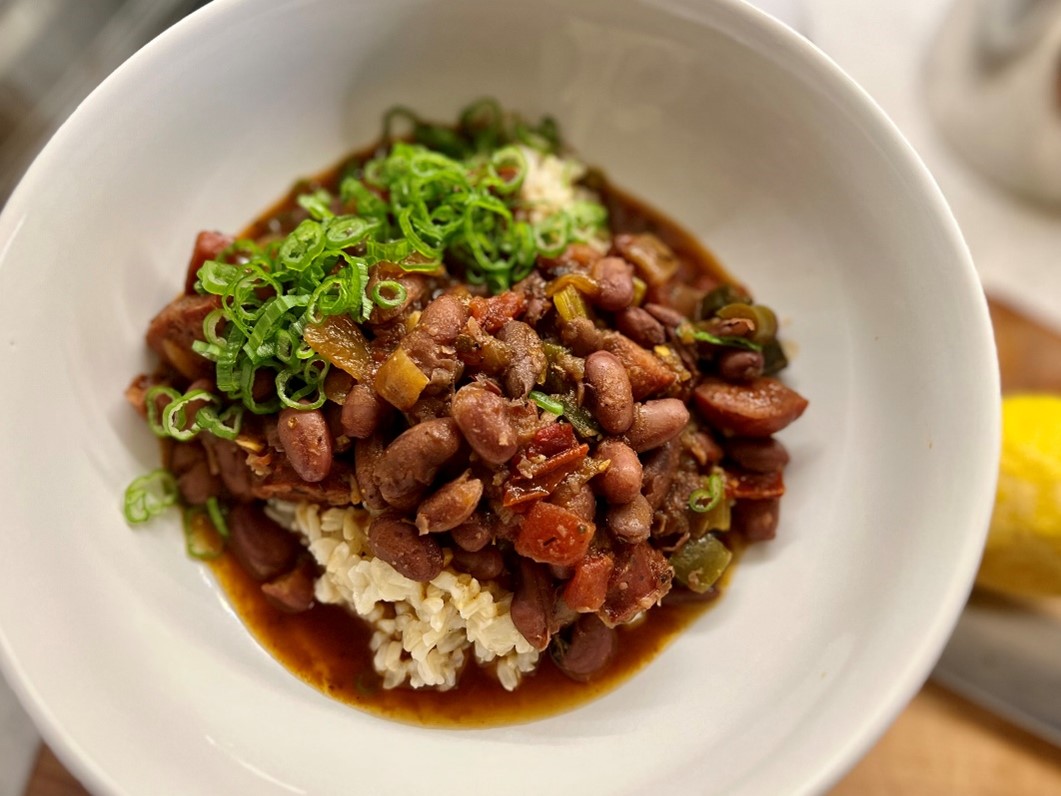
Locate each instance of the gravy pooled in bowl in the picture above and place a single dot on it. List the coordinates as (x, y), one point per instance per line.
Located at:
(460, 419)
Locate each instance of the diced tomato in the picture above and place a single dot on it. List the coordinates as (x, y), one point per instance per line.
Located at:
(586, 590)
(551, 440)
(553, 535)
(754, 486)
(494, 312)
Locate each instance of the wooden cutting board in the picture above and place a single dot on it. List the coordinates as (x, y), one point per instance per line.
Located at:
(940, 744)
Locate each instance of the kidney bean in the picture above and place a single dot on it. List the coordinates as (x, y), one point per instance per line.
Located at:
(451, 505)
(621, 482)
(759, 408)
(263, 548)
(484, 420)
(592, 647)
(305, 439)
(483, 565)
(528, 358)
(631, 522)
(757, 519)
(640, 326)
(581, 336)
(532, 604)
(396, 541)
(191, 468)
(363, 412)
(738, 365)
(575, 497)
(444, 318)
(367, 455)
(609, 394)
(411, 462)
(758, 455)
(668, 316)
(655, 422)
(616, 279)
(473, 535)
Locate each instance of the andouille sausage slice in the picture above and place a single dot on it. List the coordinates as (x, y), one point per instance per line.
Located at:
(759, 408)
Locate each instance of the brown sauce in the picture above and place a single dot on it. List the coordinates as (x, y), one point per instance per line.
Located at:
(328, 648)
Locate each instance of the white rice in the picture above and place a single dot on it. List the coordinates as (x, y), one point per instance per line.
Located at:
(422, 632)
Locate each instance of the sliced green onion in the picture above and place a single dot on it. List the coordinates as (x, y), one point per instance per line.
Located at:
(547, 402)
(149, 495)
(301, 246)
(704, 500)
(317, 204)
(225, 425)
(154, 422)
(217, 517)
(397, 297)
(688, 333)
(174, 416)
(202, 540)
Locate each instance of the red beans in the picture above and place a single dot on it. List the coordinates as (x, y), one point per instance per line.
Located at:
(409, 464)
(616, 279)
(262, 547)
(484, 420)
(443, 319)
(760, 408)
(631, 522)
(528, 358)
(367, 455)
(740, 365)
(656, 422)
(473, 535)
(451, 505)
(640, 326)
(591, 648)
(532, 604)
(621, 482)
(396, 541)
(608, 392)
(307, 442)
(363, 412)
(483, 565)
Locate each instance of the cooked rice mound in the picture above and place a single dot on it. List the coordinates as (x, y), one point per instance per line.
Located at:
(422, 632)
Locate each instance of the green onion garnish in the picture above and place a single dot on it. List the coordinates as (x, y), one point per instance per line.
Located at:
(397, 296)
(213, 510)
(687, 333)
(149, 495)
(438, 195)
(704, 500)
(546, 402)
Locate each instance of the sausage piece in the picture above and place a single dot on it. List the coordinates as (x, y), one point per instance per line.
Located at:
(757, 519)
(305, 438)
(397, 541)
(758, 455)
(759, 408)
(292, 592)
(609, 392)
(410, 462)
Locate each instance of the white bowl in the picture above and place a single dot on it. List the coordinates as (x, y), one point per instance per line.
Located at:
(127, 655)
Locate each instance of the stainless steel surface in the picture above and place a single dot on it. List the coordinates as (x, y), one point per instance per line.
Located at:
(993, 85)
(1006, 656)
